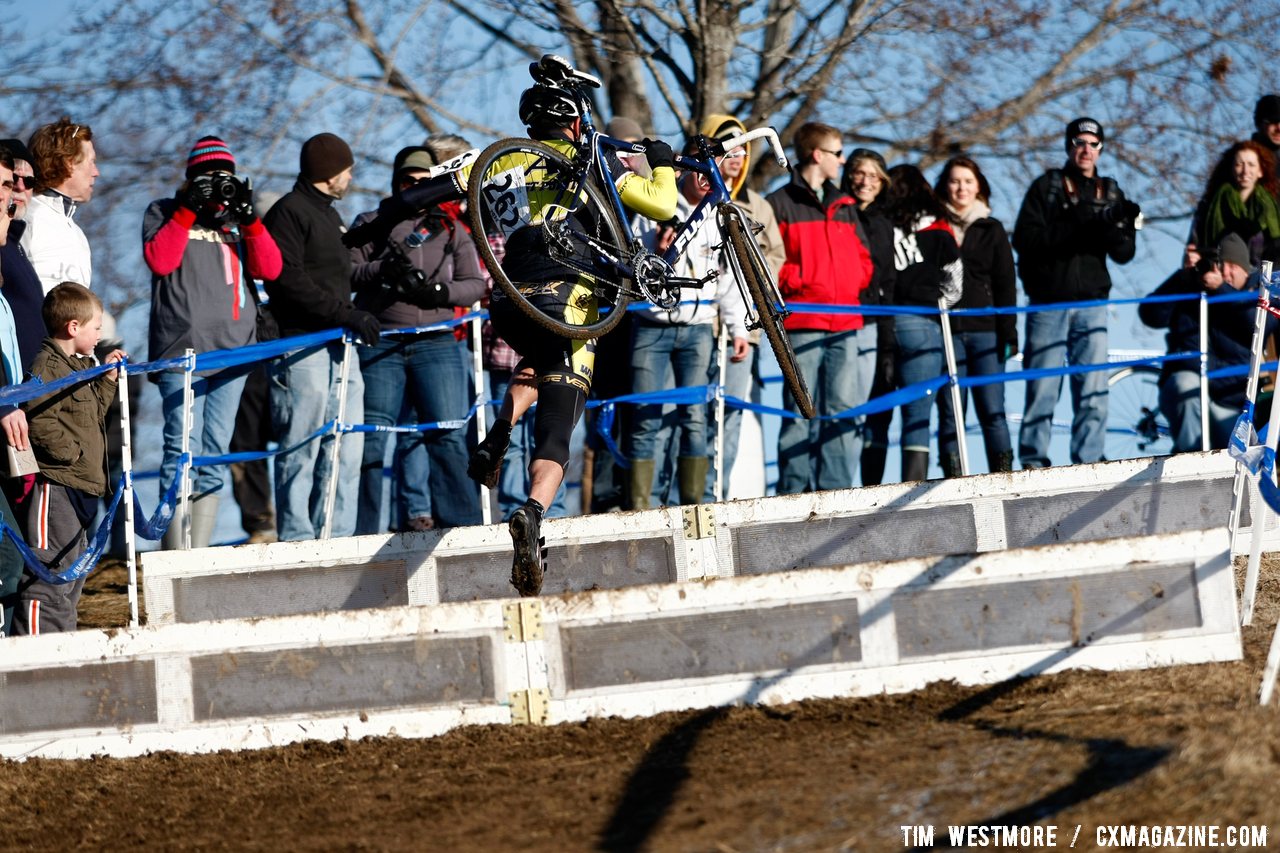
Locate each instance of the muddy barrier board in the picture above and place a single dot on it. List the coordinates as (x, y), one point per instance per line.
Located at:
(978, 514)
(416, 671)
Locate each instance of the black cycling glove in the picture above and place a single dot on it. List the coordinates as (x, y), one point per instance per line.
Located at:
(658, 153)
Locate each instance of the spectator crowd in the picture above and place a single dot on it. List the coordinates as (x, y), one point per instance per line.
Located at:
(845, 230)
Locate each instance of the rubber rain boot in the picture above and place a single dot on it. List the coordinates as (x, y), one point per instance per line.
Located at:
(204, 515)
(872, 465)
(950, 465)
(172, 539)
(915, 465)
(691, 477)
(1001, 461)
(640, 484)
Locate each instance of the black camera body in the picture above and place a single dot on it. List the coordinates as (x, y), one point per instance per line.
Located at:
(229, 189)
(1209, 261)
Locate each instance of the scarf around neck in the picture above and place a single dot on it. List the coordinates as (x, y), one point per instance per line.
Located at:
(977, 210)
(1228, 212)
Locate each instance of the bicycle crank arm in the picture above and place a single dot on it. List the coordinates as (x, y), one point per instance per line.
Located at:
(694, 283)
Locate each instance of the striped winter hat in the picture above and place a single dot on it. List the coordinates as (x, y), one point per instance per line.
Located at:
(210, 154)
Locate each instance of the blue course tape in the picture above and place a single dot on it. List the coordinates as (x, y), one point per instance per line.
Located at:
(84, 564)
(153, 528)
(688, 395)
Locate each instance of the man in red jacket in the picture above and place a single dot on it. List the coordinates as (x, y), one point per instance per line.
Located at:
(828, 262)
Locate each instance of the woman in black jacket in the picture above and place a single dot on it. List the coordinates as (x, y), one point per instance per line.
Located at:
(982, 344)
(928, 265)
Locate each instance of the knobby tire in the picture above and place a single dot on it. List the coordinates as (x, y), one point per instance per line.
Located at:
(764, 293)
(611, 294)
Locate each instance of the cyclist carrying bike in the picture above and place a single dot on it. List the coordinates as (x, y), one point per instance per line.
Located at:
(554, 371)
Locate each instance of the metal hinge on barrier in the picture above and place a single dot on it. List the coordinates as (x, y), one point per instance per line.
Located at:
(530, 706)
(522, 620)
(699, 522)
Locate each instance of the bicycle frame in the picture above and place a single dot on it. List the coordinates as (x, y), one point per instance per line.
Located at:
(593, 146)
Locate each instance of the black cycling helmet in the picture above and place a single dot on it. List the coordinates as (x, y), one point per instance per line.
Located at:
(548, 105)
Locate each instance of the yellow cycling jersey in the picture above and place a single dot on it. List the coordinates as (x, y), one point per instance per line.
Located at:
(518, 193)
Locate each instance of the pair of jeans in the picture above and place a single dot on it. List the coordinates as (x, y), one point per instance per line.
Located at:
(838, 368)
(250, 481)
(1071, 337)
(304, 395)
(976, 356)
(411, 487)
(513, 479)
(920, 358)
(431, 372)
(687, 349)
(217, 399)
(1180, 402)
(738, 379)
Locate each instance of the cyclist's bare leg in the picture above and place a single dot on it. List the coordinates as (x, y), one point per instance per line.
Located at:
(545, 477)
(522, 392)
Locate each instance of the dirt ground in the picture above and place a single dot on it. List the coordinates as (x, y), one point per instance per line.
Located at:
(1187, 745)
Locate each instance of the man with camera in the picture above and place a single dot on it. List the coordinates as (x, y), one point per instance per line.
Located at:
(1072, 219)
(412, 279)
(1231, 325)
(204, 246)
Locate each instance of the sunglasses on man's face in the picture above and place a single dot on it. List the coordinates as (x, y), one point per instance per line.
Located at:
(28, 181)
(1081, 142)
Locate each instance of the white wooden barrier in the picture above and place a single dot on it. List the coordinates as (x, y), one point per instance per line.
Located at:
(991, 512)
(420, 670)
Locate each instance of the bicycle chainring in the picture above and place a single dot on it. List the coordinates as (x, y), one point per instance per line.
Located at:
(653, 278)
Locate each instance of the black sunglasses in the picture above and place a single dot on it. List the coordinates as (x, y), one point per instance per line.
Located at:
(1080, 142)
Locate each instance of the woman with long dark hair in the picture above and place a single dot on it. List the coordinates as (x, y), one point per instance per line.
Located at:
(1240, 198)
(982, 344)
(927, 262)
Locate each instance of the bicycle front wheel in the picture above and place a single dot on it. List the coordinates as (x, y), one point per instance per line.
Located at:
(1135, 425)
(752, 270)
(538, 220)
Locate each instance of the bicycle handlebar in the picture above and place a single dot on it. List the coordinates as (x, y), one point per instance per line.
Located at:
(759, 133)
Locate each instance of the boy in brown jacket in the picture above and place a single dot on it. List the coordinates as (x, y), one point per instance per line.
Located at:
(69, 436)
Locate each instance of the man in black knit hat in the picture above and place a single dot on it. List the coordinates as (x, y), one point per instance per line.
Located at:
(1071, 221)
(313, 293)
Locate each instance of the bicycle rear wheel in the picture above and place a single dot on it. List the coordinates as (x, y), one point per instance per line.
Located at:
(753, 271)
(1135, 425)
(536, 219)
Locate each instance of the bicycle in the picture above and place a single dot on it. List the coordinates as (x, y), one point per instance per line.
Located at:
(525, 190)
(1135, 425)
